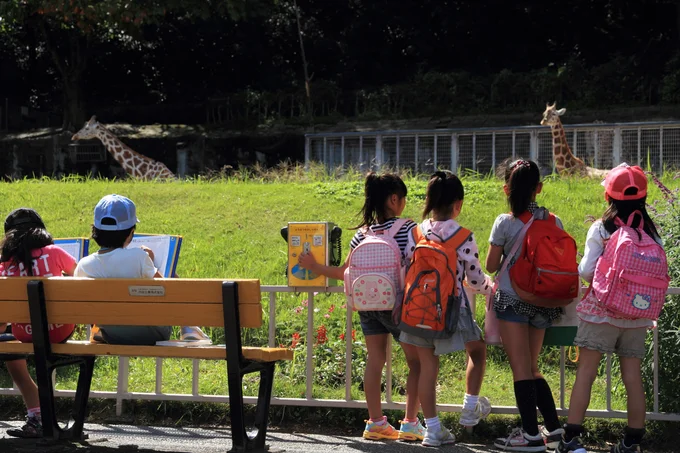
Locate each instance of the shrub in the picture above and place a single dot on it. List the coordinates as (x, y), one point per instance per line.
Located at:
(666, 214)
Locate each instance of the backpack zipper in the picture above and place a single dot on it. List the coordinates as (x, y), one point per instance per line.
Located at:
(554, 272)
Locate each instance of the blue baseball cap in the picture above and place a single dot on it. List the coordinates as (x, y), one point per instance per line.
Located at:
(117, 208)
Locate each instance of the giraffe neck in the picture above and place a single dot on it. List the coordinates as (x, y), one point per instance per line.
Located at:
(564, 159)
(135, 164)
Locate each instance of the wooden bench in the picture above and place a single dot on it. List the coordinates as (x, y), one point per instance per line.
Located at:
(205, 302)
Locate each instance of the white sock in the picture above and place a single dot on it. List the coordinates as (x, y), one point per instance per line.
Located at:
(34, 412)
(433, 424)
(470, 401)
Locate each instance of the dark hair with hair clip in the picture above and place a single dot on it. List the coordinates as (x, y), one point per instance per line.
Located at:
(623, 209)
(443, 190)
(522, 178)
(24, 232)
(377, 189)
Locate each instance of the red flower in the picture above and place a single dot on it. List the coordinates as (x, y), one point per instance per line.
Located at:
(342, 337)
(354, 335)
(331, 309)
(321, 337)
(296, 340)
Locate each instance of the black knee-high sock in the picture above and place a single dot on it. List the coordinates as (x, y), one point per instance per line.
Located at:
(633, 436)
(546, 404)
(571, 431)
(525, 396)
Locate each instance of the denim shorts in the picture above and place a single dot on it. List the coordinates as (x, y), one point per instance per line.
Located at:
(538, 321)
(378, 323)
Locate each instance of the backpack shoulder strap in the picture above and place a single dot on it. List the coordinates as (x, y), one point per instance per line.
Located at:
(519, 239)
(459, 237)
(395, 228)
(417, 234)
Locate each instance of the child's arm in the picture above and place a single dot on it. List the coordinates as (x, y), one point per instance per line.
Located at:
(496, 243)
(493, 258)
(308, 261)
(593, 250)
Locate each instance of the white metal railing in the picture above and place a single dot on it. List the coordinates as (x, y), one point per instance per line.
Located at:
(124, 393)
(651, 144)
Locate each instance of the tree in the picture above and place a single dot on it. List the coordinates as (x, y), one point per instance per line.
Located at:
(68, 29)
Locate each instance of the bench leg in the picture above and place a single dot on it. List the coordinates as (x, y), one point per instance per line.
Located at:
(82, 396)
(264, 399)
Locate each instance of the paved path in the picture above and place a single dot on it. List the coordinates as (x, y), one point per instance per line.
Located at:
(147, 439)
(142, 439)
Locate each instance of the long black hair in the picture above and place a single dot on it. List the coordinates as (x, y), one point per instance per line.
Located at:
(443, 190)
(522, 178)
(623, 209)
(24, 232)
(377, 189)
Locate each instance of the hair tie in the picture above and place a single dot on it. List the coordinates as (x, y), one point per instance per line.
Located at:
(439, 174)
(521, 163)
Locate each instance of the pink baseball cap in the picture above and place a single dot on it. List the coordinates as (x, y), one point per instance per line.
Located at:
(622, 178)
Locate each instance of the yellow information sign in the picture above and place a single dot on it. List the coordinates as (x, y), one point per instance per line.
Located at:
(307, 237)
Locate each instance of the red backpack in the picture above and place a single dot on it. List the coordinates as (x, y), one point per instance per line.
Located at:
(545, 273)
(431, 305)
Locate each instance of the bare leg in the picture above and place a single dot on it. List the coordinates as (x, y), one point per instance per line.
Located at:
(632, 379)
(476, 367)
(376, 346)
(18, 370)
(412, 400)
(516, 344)
(429, 369)
(588, 363)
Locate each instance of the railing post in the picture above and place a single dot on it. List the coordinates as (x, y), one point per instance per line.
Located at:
(342, 152)
(596, 148)
(617, 152)
(574, 147)
(474, 151)
(272, 319)
(308, 145)
(639, 145)
(533, 145)
(493, 150)
(122, 388)
(378, 152)
(310, 346)
(660, 150)
(348, 355)
(326, 160)
(435, 152)
(454, 153)
(397, 152)
(416, 154)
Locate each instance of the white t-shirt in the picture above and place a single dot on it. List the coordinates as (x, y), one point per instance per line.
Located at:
(119, 263)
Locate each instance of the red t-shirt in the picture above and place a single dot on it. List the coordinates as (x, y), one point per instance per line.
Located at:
(48, 261)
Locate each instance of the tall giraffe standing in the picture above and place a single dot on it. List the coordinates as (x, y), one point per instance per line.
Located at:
(135, 164)
(565, 161)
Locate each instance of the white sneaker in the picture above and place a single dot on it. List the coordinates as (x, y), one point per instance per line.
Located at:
(552, 438)
(472, 417)
(441, 437)
(518, 440)
(194, 333)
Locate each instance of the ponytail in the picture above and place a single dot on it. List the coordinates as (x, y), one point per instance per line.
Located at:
(522, 178)
(443, 190)
(377, 189)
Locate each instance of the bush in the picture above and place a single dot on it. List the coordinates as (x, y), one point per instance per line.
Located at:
(666, 215)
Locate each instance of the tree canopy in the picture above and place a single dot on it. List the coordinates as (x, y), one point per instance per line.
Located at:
(397, 57)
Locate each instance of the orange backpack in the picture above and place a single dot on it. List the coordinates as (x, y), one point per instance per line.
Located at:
(545, 273)
(431, 304)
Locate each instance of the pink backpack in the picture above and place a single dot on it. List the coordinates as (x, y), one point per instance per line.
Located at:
(374, 278)
(631, 276)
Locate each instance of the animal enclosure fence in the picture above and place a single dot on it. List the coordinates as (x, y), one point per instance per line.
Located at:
(652, 145)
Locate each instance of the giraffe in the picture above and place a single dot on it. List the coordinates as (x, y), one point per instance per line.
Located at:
(135, 164)
(565, 161)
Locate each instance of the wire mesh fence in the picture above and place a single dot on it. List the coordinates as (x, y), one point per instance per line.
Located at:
(653, 146)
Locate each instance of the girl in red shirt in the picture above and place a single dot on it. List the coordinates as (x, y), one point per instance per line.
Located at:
(28, 250)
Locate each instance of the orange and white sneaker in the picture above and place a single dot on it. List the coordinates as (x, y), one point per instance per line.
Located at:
(381, 430)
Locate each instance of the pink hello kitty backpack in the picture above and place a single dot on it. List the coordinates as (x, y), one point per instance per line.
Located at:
(631, 276)
(374, 278)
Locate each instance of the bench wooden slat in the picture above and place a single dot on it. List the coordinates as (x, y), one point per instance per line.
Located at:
(175, 290)
(215, 352)
(133, 313)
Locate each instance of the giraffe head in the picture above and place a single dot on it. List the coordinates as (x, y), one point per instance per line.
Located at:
(88, 131)
(551, 116)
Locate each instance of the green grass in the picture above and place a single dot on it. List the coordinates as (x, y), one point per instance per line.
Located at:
(231, 229)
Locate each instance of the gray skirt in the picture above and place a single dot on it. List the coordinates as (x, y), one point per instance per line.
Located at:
(467, 331)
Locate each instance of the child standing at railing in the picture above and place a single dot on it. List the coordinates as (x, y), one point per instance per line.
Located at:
(28, 250)
(444, 201)
(606, 326)
(385, 199)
